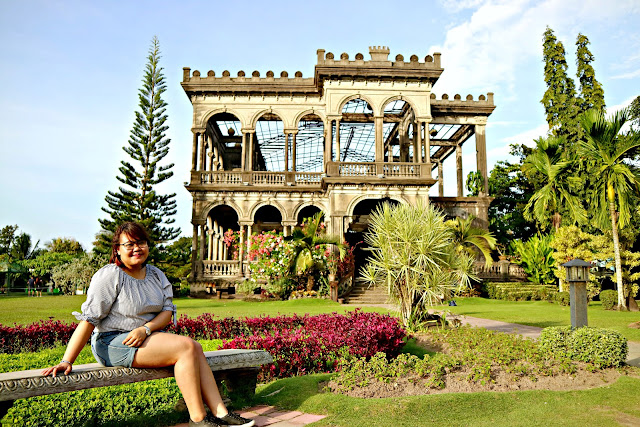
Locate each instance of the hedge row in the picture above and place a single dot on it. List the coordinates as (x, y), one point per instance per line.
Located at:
(517, 291)
(603, 348)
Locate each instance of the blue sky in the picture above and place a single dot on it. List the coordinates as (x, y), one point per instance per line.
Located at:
(70, 72)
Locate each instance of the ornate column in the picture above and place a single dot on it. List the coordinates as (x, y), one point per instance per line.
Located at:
(251, 134)
(417, 135)
(481, 153)
(459, 169)
(203, 233)
(328, 143)
(243, 155)
(286, 152)
(293, 150)
(378, 123)
(241, 247)
(194, 152)
(440, 180)
(248, 247)
(338, 140)
(194, 253)
(427, 144)
(203, 151)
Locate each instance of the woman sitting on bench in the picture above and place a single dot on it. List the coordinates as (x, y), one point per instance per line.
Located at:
(128, 304)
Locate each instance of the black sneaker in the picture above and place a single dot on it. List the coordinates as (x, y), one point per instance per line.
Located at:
(208, 421)
(234, 419)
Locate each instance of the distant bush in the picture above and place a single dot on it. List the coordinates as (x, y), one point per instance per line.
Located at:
(609, 299)
(563, 298)
(602, 348)
(518, 291)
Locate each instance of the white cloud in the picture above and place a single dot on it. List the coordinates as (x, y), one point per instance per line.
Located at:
(458, 5)
(484, 53)
(631, 75)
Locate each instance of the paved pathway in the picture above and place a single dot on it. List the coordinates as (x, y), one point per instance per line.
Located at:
(273, 417)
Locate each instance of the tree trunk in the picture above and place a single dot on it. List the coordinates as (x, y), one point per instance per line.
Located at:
(622, 302)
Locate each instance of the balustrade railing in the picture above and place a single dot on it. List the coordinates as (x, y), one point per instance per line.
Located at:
(221, 268)
(357, 169)
(501, 270)
(221, 177)
(268, 178)
(308, 178)
(401, 170)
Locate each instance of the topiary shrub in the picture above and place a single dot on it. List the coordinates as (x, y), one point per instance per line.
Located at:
(603, 348)
(609, 299)
(563, 298)
(518, 291)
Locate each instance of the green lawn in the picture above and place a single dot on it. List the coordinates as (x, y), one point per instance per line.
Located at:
(605, 406)
(25, 310)
(544, 314)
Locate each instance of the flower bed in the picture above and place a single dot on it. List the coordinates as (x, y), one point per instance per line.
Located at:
(34, 337)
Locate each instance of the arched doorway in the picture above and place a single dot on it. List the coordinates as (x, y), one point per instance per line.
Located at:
(223, 143)
(359, 227)
(220, 220)
(307, 212)
(267, 218)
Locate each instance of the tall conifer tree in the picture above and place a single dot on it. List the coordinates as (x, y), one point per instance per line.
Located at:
(559, 99)
(138, 200)
(591, 92)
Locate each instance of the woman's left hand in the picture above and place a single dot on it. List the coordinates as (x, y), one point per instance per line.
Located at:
(135, 337)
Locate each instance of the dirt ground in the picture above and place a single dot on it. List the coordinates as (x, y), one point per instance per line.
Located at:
(501, 381)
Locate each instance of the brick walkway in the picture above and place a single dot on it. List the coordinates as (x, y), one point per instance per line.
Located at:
(273, 417)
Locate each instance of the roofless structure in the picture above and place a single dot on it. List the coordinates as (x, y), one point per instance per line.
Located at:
(270, 151)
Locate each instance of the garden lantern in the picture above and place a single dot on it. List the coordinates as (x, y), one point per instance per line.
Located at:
(578, 276)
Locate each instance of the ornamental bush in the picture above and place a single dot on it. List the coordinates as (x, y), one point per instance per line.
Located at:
(609, 299)
(518, 291)
(602, 348)
(34, 337)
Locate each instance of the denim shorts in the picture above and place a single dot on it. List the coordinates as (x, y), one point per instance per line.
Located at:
(108, 349)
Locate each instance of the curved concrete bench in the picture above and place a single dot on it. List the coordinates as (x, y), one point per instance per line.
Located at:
(237, 368)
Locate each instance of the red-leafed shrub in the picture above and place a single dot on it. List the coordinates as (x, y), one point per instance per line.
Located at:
(34, 337)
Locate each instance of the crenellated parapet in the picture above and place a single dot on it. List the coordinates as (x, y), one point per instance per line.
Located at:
(483, 106)
(379, 58)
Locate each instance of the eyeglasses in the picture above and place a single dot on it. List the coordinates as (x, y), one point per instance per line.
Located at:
(139, 243)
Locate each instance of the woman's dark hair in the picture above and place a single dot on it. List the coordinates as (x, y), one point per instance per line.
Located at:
(132, 229)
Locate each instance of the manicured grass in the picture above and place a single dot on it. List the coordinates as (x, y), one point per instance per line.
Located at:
(605, 406)
(26, 310)
(544, 314)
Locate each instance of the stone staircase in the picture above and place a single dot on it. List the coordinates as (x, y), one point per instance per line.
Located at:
(362, 293)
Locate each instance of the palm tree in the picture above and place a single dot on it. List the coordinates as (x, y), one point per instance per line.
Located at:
(471, 239)
(414, 255)
(559, 191)
(614, 179)
(304, 242)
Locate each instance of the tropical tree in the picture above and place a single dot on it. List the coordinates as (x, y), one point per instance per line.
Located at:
(305, 240)
(64, 244)
(614, 180)
(415, 257)
(138, 199)
(558, 193)
(536, 258)
(591, 91)
(470, 239)
(559, 99)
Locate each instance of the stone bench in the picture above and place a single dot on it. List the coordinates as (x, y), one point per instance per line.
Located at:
(237, 368)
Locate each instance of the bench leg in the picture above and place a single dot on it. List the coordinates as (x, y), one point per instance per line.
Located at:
(4, 407)
(240, 384)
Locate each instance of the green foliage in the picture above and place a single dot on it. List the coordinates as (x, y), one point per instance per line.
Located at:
(44, 263)
(415, 257)
(138, 200)
(516, 291)
(559, 99)
(535, 257)
(563, 298)
(7, 236)
(511, 190)
(615, 182)
(77, 273)
(591, 91)
(571, 242)
(65, 245)
(175, 259)
(602, 348)
(609, 299)
(560, 185)
(470, 239)
(475, 183)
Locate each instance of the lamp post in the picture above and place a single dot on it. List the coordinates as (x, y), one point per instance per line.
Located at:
(578, 276)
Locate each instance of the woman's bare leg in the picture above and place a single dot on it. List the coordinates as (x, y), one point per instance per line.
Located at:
(192, 373)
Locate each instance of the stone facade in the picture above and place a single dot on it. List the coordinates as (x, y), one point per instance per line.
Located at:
(261, 158)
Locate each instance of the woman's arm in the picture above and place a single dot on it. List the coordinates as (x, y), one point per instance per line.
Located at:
(138, 335)
(76, 344)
